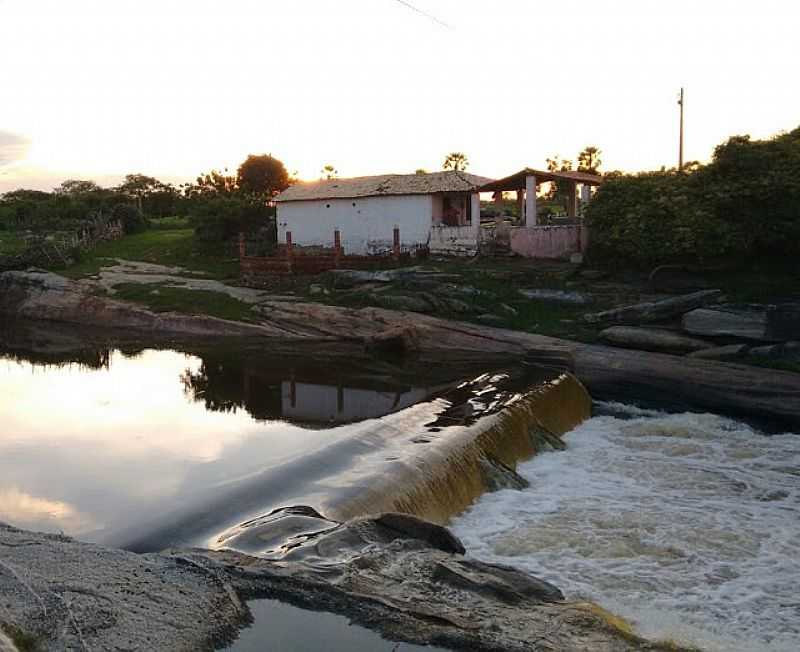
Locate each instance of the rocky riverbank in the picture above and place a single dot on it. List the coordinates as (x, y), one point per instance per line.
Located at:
(768, 396)
(404, 577)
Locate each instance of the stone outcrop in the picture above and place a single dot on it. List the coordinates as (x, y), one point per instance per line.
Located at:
(608, 373)
(392, 573)
(726, 321)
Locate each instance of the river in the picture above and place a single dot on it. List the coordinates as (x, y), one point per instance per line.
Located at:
(686, 524)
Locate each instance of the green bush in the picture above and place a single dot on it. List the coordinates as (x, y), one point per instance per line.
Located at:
(744, 204)
(221, 218)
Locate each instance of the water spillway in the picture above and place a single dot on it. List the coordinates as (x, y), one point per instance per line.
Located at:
(145, 449)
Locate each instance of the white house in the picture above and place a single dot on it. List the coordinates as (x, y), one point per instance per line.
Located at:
(440, 211)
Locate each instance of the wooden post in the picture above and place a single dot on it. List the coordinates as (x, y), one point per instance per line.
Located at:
(289, 250)
(396, 243)
(337, 247)
(242, 246)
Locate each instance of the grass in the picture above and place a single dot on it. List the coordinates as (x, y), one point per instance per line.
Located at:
(11, 243)
(23, 641)
(172, 247)
(170, 223)
(160, 298)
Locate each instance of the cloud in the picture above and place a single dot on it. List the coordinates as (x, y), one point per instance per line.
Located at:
(13, 147)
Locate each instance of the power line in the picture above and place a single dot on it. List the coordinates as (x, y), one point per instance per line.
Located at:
(424, 13)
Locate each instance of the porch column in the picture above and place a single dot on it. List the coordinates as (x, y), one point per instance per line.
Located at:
(572, 199)
(586, 193)
(530, 200)
(475, 214)
(521, 205)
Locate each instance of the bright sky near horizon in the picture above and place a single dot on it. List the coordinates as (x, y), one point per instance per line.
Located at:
(97, 89)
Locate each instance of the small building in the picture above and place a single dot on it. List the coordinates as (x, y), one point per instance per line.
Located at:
(530, 238)
(439, 212)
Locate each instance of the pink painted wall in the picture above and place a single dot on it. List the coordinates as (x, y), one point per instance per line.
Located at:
(549, 241)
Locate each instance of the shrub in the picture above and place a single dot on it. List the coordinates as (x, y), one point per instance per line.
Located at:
(744, 204)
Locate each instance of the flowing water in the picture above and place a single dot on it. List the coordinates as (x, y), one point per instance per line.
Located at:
(687, 524)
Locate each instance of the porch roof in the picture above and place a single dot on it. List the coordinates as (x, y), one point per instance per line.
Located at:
(517, 181)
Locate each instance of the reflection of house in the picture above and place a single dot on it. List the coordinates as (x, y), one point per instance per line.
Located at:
(440, 211)
(337, 404)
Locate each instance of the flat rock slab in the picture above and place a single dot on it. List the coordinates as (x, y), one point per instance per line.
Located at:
(728, 322)
(727, 352)
(653, 339)
(653, 311)
(556, 296)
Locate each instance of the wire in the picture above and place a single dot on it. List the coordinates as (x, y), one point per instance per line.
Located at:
(424, 13)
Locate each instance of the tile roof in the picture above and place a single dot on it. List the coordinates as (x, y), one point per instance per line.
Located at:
(384, 184)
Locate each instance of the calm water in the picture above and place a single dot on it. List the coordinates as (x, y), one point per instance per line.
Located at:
(106, 446)
(687, 524)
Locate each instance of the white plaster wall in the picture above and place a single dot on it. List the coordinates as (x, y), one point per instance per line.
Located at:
(454, 240)
(366, 224)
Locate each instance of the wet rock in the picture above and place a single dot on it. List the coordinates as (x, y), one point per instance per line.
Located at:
(728, 321)
(653, 339)
(556, 296)
(727, 352)
(315, 289)
(498, 582)
(402, 302)
(411, 527)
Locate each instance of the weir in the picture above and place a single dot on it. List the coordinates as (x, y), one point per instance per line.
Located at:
(432, 460)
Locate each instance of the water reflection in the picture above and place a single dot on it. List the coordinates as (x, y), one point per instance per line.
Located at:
(100, 440)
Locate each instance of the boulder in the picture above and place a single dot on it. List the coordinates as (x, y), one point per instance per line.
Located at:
(556, 296)
(653, 311)
(727, 352)
(783, 351)
(653, 339)
(727, 321)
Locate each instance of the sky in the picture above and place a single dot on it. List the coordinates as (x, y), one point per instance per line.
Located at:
(95, 89)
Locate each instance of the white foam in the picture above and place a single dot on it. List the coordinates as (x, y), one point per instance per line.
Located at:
(686, 524)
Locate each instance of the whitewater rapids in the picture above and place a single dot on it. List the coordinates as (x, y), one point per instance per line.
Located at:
(686, 524)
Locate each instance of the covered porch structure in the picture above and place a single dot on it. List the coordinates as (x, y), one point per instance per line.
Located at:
(533, 238)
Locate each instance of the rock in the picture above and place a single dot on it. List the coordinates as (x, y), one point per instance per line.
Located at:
(491, 320)
(81, 596)
(653, 311)
(653, 339)
(507, 310)
(727, 352)
(5, 644)
(411, 527)
(593, 274)
(784, 351)
(556, 296)
(676, 278)
(783, 322)
(728, 321)
(397, 340)
(402, 302)
(316, 289)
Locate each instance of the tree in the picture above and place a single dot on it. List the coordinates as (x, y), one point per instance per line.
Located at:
(589, 159)
(262, 174)
(329, 172)
(420, 171)
(153, 197)
(77, 187)
(455, 161)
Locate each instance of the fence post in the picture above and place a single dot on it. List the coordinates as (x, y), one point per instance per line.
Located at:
(396, 243)
(289, 250)
(337, 247)
(242, 246)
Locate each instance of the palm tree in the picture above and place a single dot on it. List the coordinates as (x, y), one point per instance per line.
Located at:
(589, 159)
(455, 161)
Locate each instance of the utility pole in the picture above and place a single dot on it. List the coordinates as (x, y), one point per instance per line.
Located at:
(680, 147)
